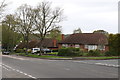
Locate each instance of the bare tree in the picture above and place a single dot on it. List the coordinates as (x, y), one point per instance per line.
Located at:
(55, 33)
(25, 22)
(2, 6)
(46, 19)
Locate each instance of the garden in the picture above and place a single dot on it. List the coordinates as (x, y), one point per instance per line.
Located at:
(72, 53)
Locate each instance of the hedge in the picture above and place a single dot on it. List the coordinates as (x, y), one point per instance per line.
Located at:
(94, 53)
(69, 52)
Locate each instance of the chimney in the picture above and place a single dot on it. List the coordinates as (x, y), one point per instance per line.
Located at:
(62, 36)
(54, 43)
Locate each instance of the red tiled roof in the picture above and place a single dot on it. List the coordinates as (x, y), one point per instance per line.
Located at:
(47, 42)
(85, 38)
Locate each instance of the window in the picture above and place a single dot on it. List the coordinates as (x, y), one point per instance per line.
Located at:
(86, 46)
(92, 47)
(77, 45)
(101, 47)
(64, 45)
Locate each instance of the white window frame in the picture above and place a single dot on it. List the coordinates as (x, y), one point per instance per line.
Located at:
(86, 46)
(77, 46)
(64, 45)
(92, 47)
(101, 47)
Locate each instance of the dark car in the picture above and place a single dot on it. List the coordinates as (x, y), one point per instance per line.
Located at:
(44, 51)
(5, 52)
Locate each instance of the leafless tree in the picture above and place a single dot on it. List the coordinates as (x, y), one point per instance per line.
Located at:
(2, 7)
(25, 22)
(46, 19)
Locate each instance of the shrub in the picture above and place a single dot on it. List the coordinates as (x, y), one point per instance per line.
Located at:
(22, 54)
(19, 51)
(75, 49)
(94, 53)
(111, 53)
(107, 53)
(29, 50)
(54, 50)
(69, 52)
(83, 54)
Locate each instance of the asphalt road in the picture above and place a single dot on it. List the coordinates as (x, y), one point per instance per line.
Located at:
(24, 67)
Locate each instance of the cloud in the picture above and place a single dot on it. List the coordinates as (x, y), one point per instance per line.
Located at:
(86, 14)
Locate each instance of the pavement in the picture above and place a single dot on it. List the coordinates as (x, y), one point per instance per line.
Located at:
(25, 67)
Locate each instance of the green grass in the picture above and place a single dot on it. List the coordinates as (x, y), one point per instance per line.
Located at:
(50, 56)
(53, 53)
(103, 57)
(43, 56)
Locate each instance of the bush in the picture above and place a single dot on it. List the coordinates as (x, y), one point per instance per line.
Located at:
(111, 53)
(54, 50)
(69, 52)
(83, 54)
(29, 50)
(22, 54)
(94, 53)
(108, 53)
(19, 51)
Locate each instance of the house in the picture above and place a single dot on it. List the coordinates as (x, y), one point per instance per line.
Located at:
(86, 41)
(47, 43)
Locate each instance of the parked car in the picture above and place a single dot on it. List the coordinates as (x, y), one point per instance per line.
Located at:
(37, 50)
(46, 50)
(6, 52)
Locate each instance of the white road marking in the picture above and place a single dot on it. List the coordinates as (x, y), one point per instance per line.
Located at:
(103, 64)
(6, 68)
(19, 71)
(51, 60)
(80, 61)
(31, 76)
(108, 64)
(15, 57)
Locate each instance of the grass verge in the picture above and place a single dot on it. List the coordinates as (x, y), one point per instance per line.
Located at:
(101, 58)
(43, 56)
(85, 58)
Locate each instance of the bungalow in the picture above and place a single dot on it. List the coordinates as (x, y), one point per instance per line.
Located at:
(86, 41)
(47, 43)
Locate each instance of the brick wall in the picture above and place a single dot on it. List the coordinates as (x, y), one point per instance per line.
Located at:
(106, 48)
(59, 46)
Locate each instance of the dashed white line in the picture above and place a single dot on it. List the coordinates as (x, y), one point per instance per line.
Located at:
(31, 76)
(25, 74)
(6, 68)
(103, 64)
(19, 71)
(80, 61)
(108, 64)
(15, 57)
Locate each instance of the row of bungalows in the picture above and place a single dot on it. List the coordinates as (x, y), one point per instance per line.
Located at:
(84, 41)
(47, 43)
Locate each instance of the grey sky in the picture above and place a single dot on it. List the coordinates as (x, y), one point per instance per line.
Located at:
(89, 15)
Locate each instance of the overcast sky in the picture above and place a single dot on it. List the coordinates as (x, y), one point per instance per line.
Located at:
(89, 15)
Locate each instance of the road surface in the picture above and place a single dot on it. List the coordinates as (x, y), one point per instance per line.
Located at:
(24, 67)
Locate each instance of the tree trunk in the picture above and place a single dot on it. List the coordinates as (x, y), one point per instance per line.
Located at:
(27, 45)
(40, 54)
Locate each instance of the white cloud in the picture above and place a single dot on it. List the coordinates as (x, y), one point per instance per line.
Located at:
(86, 14)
